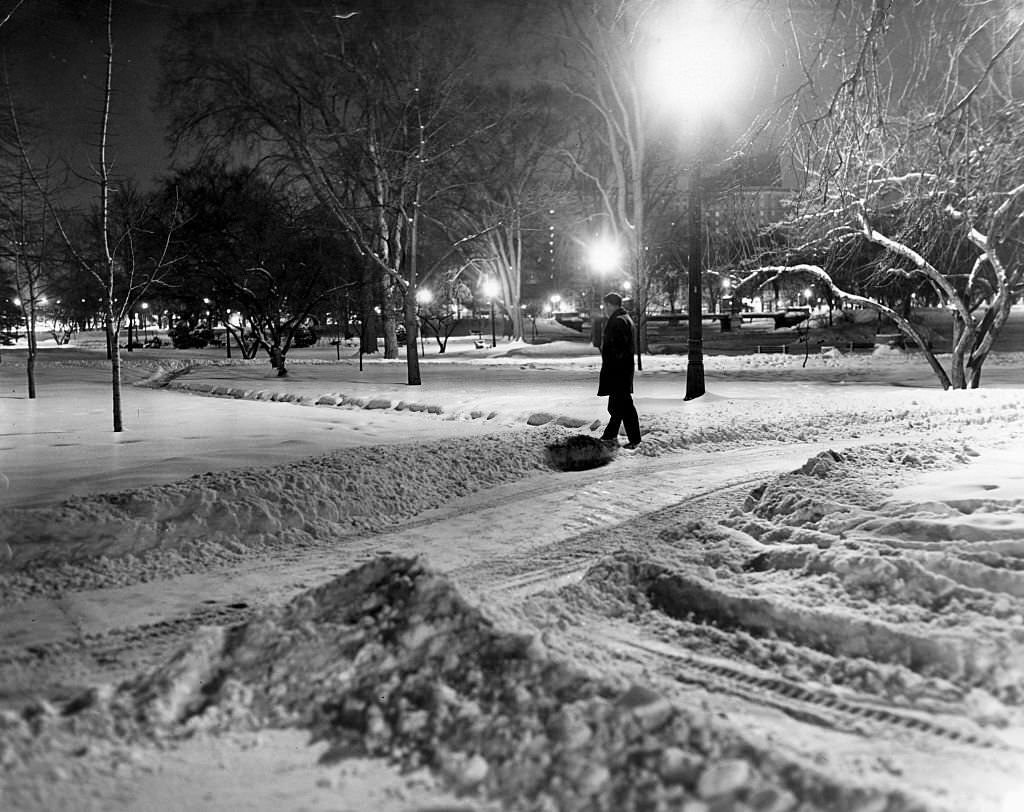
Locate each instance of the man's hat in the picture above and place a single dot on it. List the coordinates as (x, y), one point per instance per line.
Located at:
(613, 299)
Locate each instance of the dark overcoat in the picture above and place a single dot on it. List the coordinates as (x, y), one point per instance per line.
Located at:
(618, 346)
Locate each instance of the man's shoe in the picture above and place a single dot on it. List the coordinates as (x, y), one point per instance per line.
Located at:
(632, 445)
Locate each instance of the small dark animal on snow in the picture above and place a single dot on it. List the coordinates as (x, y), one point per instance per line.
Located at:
(579, 452)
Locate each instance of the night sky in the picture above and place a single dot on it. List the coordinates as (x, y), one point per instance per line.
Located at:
(54, 52)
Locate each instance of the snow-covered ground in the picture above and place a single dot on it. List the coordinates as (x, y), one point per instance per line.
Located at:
(804, 587)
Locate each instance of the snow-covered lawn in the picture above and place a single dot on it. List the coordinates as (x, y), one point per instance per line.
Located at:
(803, 587)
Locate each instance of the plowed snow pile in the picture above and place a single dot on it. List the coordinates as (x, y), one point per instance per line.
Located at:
(390, 660)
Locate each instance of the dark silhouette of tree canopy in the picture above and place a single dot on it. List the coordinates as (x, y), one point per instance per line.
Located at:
(252, 255)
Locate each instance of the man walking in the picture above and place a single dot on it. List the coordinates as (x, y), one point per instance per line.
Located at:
(618, 347)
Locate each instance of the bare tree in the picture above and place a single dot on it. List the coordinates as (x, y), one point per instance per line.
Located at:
(505, 182)
(112, 260)
(906, 132)
(26, 249)
(602, 74)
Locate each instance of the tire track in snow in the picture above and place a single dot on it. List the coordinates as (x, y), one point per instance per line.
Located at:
(816, 706)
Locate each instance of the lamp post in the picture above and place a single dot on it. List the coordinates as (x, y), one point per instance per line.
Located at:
(143, 317)
(697, 58)
(227, 332)
(695, 327)
(491, 291)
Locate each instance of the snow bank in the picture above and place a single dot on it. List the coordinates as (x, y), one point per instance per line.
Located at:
(326, 497)
(390, 660)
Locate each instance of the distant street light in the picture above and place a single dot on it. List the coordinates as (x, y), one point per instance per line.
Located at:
(423, 297)
(603, 256)
(145, 322)
(491, 292)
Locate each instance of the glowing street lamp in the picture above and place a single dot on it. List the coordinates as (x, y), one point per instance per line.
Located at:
(491, 290)
(424, 296)
(696, 60)
(604, 256)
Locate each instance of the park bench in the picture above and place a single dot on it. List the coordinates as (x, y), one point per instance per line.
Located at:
(773, 348)
(848, 346)
(790, 317)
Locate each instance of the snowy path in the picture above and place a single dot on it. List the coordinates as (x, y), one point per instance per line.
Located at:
(470, 535)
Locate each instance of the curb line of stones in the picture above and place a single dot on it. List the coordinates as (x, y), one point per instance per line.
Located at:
(339, 400)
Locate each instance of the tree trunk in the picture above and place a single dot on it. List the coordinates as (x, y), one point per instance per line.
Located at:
(984, 336)
(115, 371)
(957, 374)
(389, 324)
(30, 362)
(277, 360)
(974, 370)
(367, 318)
(412, 326)
(518, 324)
(412, 347)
